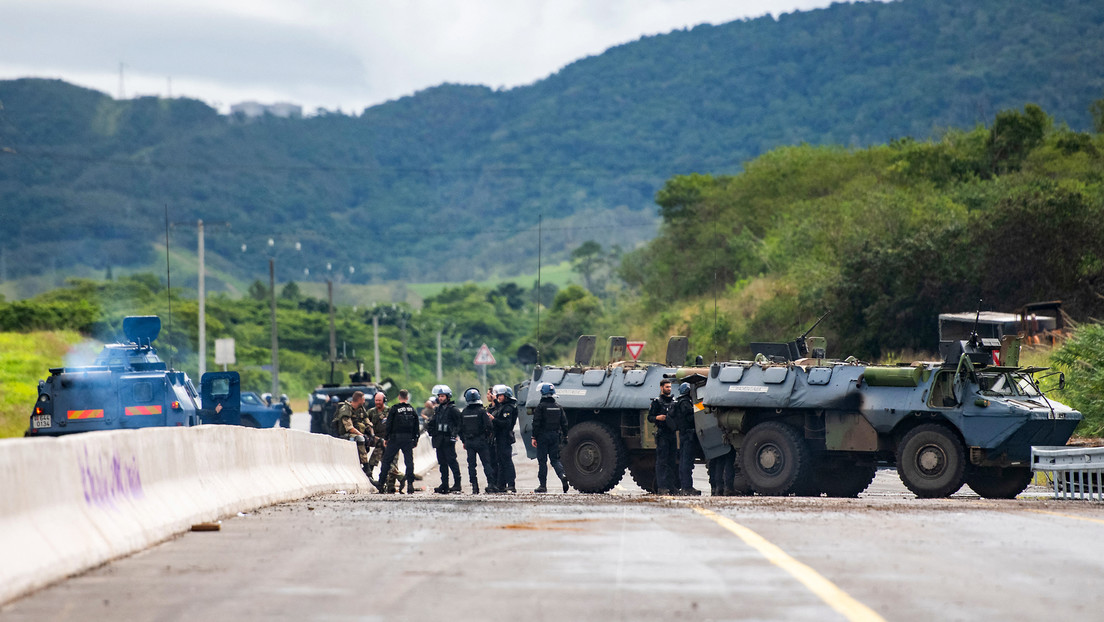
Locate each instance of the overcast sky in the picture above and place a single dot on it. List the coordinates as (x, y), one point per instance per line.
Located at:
(334, 54)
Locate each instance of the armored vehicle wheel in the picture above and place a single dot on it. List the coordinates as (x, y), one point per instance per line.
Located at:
(642, 470)
(931, 461)
(595, 458)
(843, 480)
(775, 459)
(998, 483)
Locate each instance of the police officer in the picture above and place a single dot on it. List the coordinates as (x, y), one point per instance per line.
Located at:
(401, 431)
(722, 474)
(666, 438)
(389, 471)
(549, 426)
(476, 429)
(443, 428)
(355, 426)
(683, 414)
(285, 411)
(504, 414)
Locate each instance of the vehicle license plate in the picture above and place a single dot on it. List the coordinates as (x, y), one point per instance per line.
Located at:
(41, 421)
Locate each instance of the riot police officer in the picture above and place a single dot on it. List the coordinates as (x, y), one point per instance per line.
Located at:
(504, 414)
(401, 431)
(443, 428)
(285, 411)
(476, 429)
(549, 427)
(689, 448)
(666, 438)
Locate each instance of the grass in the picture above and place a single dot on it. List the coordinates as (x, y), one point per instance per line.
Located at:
(25, 358)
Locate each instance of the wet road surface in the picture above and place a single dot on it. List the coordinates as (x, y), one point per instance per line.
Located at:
(622, 556)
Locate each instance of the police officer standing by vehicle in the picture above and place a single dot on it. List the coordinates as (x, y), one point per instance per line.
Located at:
(285, 411)
(549, 427)
(666, 438)
(401, 431)
(476, 429)
(504, 413)
(443, 428)
(352, 421)
(683, 414)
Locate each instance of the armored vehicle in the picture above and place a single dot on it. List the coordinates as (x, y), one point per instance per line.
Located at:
(325, 399)
(804, 424)
(129, 386)
(607, 411)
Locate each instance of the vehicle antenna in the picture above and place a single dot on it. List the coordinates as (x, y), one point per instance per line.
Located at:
(168, 283)
(715, 245)
(540, 218)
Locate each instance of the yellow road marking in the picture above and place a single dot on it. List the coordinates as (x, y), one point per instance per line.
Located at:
(827, 591)
(1074, 517)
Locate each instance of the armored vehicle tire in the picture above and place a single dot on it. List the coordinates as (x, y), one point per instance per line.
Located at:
(844, 480)
(642, 470)
(775, 459)
(998, 483)
(595, 458)
(931, 461)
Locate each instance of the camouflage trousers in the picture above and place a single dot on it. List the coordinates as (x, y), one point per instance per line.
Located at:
(362, 449)
(393, 476)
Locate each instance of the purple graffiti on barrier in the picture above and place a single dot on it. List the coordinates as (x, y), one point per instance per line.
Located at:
(109, 479)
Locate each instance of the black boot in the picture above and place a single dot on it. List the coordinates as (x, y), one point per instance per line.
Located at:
(410, 487)
(443, 489)
(563, 480)
(475, 488)
(541, 488)
(455, 488)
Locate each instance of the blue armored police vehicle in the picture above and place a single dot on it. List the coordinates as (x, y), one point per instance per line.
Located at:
(808, 425)
(129, 386)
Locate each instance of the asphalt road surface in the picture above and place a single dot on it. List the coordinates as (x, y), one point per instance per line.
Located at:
(622, 556)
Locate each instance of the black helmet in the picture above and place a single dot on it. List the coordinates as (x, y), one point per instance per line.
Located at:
(684, 388)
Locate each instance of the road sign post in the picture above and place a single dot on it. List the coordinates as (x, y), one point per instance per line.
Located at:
(483, 358)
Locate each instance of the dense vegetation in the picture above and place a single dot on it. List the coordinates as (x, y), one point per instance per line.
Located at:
(448, 184)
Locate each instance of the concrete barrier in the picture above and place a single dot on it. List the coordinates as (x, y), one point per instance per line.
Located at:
(68, 504)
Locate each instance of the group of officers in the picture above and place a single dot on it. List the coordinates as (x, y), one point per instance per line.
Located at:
(487, 435)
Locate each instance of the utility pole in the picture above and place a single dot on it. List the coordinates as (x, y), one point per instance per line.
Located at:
(333, 331)
(275, 344)
(202, 305)
(439, 374)
(375, 342)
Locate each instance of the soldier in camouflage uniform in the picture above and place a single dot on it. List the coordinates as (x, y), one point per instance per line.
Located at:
(377, 415)
(352, 420)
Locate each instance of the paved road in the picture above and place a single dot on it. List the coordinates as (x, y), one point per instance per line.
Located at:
(624, 556)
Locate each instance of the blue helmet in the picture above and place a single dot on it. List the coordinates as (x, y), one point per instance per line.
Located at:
(684, 388)
(547, 389)
(471, 396)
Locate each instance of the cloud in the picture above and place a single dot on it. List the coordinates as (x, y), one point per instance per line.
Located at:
(344, 54)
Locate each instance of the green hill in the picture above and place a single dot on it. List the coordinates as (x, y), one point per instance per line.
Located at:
(448, 184)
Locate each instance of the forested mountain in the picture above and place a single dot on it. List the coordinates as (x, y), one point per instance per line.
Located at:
(448, 184)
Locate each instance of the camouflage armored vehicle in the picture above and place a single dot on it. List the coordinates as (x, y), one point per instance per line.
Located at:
(809, 425)
(129, 386)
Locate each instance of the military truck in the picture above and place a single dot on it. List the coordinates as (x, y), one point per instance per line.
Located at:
(805, 424)
(129, 386)
(325, 399)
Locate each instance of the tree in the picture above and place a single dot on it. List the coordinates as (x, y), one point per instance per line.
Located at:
(1097, 112)
(587, 259)
(1014, 135)
(258, 291)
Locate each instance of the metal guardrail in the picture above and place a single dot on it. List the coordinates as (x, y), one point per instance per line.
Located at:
(1075, 472)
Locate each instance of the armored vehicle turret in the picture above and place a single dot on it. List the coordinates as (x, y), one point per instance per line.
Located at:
(129, 386)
